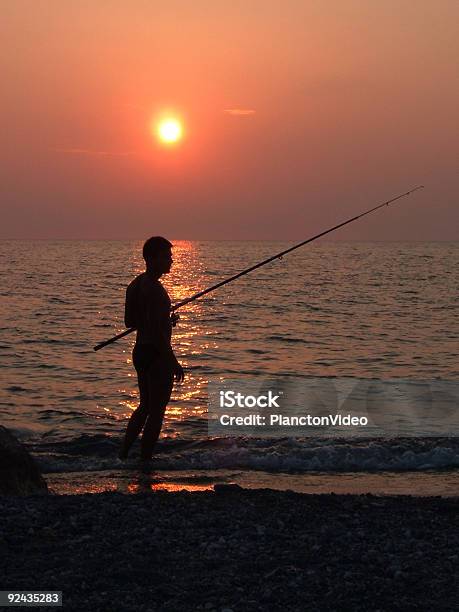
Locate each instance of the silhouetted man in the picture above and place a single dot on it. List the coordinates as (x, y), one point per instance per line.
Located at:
(148, 310)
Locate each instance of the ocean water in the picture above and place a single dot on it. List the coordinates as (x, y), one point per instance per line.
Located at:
(361, 310)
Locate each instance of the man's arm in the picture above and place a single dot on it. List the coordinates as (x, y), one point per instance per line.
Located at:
(131, 305)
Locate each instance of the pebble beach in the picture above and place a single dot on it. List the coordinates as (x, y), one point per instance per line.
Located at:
(233, 549)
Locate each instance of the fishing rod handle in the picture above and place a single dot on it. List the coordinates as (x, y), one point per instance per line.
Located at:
(114, 339)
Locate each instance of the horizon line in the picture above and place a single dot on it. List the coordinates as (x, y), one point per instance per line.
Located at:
(225, 240)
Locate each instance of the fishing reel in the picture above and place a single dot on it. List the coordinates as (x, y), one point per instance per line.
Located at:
(174, 318)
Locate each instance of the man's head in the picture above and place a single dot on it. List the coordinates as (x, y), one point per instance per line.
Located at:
(157, 255)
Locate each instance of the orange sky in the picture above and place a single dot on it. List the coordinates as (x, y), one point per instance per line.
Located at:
(353, 101)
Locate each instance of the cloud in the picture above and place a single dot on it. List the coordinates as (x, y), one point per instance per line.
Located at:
(92, 152)
(239, 112)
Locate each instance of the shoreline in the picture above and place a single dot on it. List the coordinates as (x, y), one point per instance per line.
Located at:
(233, 549)
(128, 480)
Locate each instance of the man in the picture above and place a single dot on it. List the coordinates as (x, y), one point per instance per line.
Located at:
(148, 310)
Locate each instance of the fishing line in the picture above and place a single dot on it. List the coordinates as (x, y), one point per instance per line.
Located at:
(263, 263)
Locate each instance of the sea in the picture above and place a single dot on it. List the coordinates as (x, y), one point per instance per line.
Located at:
(379, 311)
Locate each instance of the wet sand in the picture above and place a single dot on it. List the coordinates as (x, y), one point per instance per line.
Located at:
(233, 549)
(133, 481)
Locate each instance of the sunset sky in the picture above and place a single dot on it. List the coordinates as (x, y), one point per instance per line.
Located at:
(295, 115)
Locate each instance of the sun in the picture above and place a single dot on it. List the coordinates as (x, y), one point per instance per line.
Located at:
(169, 130)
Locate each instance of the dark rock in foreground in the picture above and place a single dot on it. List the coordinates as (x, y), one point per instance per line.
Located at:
(19, 474)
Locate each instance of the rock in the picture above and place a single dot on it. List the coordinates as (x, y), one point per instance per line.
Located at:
(19, 474)
(50, 534)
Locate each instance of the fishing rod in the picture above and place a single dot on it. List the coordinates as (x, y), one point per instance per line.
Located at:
(263, 263)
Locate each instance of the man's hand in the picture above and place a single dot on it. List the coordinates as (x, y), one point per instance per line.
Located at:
(179, 373)
(174, 318)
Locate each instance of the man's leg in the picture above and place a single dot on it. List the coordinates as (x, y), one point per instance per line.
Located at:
(138, 417)
(159, 393)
